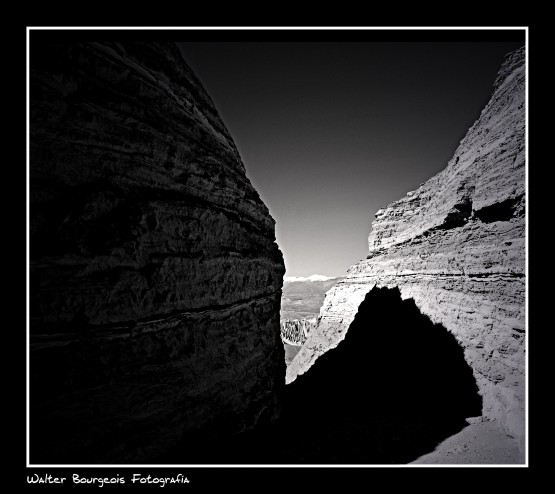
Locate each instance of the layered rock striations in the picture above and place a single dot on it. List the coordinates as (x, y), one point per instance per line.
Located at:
(155, 280)
(456, 246)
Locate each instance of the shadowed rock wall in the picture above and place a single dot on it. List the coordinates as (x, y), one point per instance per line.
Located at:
(155, 277)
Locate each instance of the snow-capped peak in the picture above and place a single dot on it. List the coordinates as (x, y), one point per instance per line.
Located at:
(314, 277)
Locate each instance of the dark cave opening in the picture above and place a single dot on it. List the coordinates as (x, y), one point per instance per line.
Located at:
(394, 388)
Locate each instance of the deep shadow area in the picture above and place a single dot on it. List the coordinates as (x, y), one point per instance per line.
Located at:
(394, 388)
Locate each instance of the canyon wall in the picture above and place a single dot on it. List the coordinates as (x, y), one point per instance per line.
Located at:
(155, 279)
(456, 246)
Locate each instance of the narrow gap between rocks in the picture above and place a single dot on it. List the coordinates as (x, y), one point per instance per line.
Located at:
(390, 392)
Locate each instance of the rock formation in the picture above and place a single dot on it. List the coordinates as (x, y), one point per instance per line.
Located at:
(295, 331)
(456, 246)
(155, 278)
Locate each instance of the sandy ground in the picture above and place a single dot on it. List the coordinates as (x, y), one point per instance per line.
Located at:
(480, 443)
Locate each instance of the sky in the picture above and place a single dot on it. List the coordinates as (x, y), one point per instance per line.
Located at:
(332, 131)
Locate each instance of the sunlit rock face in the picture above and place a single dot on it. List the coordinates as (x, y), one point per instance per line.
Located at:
(155, 276)
(456, 246)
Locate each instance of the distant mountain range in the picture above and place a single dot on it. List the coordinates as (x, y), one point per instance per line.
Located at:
(314, 277)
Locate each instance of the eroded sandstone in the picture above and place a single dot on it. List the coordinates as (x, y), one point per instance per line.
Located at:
(295, 331)
(456, 245)
(155, 276)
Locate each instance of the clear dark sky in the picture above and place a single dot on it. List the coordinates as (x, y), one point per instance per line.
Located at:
(330, 132)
